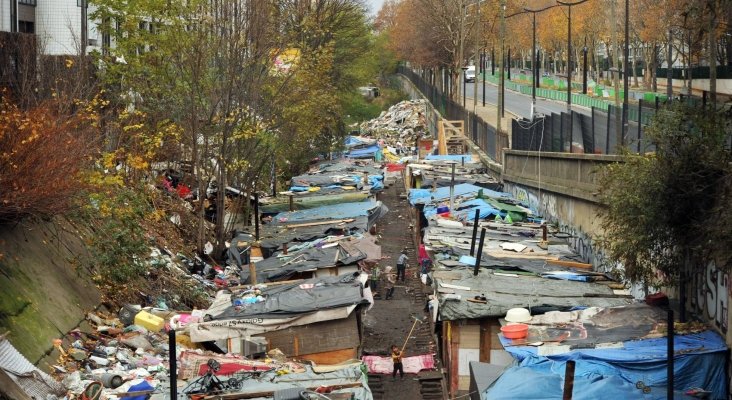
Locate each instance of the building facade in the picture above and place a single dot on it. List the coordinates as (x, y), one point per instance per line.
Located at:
(61, 26)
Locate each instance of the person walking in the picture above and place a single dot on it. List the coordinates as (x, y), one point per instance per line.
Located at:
(402, 265)
(396, 358)
(389, 280)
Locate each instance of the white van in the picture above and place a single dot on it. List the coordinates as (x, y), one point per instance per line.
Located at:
(470, 74)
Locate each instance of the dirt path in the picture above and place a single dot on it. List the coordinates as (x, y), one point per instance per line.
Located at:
(389, 321)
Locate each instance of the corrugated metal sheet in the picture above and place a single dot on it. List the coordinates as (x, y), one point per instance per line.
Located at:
(32, 380)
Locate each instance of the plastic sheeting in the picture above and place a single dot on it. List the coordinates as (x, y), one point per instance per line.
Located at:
(426, 196)
(466, 210)
(281, 268)
(364, 152)
(312, 379)
(335, 211)
(450, 157)
(412, 364)
(612, 373)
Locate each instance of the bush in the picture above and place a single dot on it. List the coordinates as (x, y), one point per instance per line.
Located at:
(42, 151)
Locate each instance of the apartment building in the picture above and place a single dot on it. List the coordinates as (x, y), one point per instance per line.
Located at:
(61, 26)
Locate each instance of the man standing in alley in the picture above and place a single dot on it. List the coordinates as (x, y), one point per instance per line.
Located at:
(389, 280)
(396, 357)
(402, 265)
(374, 280)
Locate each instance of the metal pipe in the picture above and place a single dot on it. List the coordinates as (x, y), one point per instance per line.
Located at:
(256, 216)
(173, 364)
(480, 252)
(475, 232)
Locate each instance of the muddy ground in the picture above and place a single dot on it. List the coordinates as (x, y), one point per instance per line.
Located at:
(389, 321)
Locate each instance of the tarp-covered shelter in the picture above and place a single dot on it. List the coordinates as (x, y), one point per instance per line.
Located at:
(282, 306)
(619, 352)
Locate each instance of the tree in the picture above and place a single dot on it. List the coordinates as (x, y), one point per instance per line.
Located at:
(666, 211)
(43, 150)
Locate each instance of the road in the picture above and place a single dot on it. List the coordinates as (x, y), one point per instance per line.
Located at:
(517, 103)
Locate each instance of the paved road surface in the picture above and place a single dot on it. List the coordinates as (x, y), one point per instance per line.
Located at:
(517, 103)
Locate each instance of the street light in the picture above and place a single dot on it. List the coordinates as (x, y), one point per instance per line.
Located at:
(569, 50)
(625, 75)
(535, 59)
(465, 69)
(584, 68)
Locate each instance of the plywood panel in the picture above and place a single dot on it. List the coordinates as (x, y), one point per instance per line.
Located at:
(470, 337)
(331, 357)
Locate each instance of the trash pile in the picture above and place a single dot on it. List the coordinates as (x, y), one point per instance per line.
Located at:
(118, 354)
(128, 356)
(404, 121)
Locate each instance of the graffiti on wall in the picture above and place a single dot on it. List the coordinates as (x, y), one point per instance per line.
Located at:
(710, 295)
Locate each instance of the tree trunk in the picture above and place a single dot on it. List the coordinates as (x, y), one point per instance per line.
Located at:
(669, 71)
(654, 67)
(712, 52)
(634, 65)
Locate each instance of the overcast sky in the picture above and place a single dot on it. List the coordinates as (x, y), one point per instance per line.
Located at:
(374, 5)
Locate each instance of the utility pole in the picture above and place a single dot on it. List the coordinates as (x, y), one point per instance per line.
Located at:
(533, 69)
(84, 28)
(569, 50)
(477, 47)
(500, 75)
(626, 52)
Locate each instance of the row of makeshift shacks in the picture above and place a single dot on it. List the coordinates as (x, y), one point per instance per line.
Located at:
(618, 343)
(302, 283)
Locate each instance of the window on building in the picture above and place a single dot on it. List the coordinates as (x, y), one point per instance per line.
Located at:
(26, 27)
(27, 2)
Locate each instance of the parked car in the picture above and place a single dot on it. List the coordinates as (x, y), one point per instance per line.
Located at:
(470, 74)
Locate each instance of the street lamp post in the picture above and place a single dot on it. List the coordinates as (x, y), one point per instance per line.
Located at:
(569, 51)
(584, 69)
(485, 64)
(465, 69)
(625, 74)
(535, 59)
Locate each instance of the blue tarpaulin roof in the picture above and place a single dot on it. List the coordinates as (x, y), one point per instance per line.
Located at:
(364, 152)
(335, 211)
(426, 196)
(612, 373)
(450, 157)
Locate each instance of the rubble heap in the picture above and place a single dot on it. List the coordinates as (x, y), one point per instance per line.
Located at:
(404, 121)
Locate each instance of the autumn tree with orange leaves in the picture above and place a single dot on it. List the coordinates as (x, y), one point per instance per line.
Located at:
(43, 149)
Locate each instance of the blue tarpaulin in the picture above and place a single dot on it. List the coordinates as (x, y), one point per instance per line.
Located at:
(426, 196)
(364, 152)
(351, 141)
(612, 373)
(466, 210)
(450, 157)
(336, 211)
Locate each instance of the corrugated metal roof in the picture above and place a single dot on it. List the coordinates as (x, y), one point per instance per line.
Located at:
(32, 380)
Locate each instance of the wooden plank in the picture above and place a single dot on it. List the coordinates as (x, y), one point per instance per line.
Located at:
(572, 264)
(331, 357)
(485, 341)
(454, 357)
